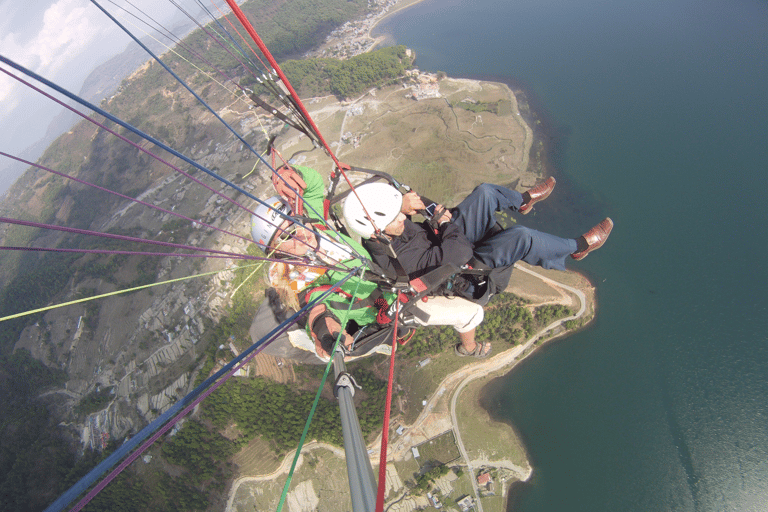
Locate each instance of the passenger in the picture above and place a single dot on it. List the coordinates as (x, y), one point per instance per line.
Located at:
(466, 232)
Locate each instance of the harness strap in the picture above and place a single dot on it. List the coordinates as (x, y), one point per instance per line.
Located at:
(402, 275)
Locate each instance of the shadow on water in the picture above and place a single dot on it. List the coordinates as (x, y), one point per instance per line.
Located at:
(679, 441)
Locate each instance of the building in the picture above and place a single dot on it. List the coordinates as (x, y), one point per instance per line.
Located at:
(466, 503)
(485, 482)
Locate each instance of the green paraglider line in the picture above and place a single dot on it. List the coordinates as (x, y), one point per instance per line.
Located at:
(317, 398)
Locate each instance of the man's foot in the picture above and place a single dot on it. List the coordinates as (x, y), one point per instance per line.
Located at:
(480, 350)
(538, 193)
(594, 238)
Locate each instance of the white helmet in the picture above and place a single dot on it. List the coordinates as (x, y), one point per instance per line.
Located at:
(265, 223)
(382, 202)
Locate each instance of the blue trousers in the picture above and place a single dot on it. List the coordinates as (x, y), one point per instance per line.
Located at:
(476, 215)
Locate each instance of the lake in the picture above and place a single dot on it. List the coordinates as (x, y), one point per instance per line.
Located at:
(656, 114)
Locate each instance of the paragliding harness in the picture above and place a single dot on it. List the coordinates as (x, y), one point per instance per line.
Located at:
(368, 337)
(474, 281)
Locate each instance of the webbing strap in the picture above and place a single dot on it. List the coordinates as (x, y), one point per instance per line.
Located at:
(275, 112)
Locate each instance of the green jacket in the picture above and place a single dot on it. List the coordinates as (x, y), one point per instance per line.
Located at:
(338, 302)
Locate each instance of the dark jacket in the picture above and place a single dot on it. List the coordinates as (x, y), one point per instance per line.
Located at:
(420, 250)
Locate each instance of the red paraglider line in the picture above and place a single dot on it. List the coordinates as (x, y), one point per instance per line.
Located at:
(385, 427)
(272, 62)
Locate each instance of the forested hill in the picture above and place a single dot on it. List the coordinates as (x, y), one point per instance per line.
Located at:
(152, 101)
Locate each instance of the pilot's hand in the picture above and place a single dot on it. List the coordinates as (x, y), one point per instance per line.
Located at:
(332, 326)
(291, 187)
(445, 215)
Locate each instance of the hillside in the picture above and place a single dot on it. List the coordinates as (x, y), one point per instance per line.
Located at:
(128, 357)
(142, 349)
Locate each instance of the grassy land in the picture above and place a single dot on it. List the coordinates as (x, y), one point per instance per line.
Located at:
(331, 496)
(439, 450)
(419, 383)
(256, 458)
(483, 437)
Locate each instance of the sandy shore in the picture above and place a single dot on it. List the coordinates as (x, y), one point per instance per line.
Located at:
(403, 4)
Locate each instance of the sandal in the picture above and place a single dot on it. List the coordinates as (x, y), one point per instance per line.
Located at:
(478, 352)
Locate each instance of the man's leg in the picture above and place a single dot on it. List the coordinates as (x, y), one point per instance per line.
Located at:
(476, 214)
(521, 243)
(469, 344)
(461, 314)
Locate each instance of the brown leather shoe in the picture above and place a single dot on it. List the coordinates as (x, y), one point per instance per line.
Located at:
(595, 237)
(538, 193)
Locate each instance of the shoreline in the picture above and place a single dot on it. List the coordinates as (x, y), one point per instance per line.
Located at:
(430, 422)
(402, 5)
(473, 377)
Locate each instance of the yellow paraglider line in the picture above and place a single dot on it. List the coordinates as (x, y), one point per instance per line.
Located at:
(110, 294)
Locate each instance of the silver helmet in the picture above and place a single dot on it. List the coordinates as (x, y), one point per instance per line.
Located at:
(266, 221)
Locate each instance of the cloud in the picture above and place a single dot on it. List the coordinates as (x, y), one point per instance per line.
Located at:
(68, 28)
(48, 36)
(46, 40)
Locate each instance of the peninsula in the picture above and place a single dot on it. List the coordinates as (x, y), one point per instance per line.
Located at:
(442, 136)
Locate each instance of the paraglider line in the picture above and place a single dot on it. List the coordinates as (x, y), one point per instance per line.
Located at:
(114, 236)
(103, 295)
(212, 111)
(169, 35)
(83, 182)
(385, 427)
(129, 445)
(137, 132)
(340, 335)
(252, 32)
(215, 39)
(239, 34)
(233, 42)
(79, 231)
(109, 252)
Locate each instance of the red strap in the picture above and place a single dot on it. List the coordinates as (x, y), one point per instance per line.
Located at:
(385, 428)
(381, 316)
(325, 288)
(418, 285)
(403, 342)
(326, 208)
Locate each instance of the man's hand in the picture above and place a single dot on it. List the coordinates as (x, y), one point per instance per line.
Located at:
(445, 215)
(412, 203)
(333, 327)
(291, 179)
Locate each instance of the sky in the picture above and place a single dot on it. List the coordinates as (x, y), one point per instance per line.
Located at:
(62, 40)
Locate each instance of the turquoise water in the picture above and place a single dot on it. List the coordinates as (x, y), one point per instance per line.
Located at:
(655, 113)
